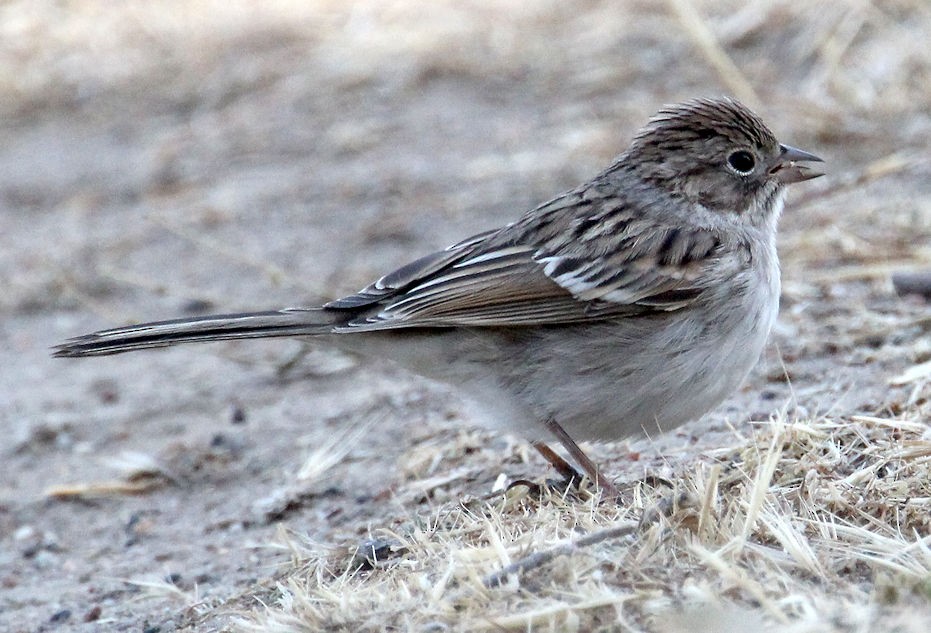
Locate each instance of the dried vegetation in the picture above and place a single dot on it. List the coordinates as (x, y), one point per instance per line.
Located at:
(817, 519)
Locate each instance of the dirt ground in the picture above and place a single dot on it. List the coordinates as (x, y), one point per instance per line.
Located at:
(175, 158)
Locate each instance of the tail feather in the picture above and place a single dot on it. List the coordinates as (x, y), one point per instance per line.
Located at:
(218, 327)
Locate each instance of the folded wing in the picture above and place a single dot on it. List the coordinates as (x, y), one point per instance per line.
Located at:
(551, 268)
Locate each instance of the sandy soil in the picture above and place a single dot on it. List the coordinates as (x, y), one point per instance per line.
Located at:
(202, 157)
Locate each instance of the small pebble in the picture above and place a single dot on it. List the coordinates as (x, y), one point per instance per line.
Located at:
(61, 616)
(94, 614)
(238, 415)
(912, 282)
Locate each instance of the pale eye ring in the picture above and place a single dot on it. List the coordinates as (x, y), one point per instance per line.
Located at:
(741, 161)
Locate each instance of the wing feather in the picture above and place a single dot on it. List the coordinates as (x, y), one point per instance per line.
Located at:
(575, 259)
(643, 264)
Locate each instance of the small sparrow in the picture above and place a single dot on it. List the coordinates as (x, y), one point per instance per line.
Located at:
(633, 303)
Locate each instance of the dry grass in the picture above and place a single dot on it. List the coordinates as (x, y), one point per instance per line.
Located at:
(848, 64)
(805, 526)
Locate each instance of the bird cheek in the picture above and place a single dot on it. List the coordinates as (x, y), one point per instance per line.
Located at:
(698, 189)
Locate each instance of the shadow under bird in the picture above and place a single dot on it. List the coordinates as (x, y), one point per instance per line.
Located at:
(635, 302)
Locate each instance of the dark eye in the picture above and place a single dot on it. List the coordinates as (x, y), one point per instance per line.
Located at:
(742, 162)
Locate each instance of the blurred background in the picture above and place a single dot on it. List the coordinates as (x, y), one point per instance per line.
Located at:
(167, 158)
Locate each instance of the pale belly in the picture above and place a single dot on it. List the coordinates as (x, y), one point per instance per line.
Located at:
(603, 381)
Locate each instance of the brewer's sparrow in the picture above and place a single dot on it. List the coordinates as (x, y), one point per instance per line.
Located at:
(638, 300)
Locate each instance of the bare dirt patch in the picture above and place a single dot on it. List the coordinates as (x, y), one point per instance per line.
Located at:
(160, 159)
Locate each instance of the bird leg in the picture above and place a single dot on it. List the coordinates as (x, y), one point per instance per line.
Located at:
(564, 468)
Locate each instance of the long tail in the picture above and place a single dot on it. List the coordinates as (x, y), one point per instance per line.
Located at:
(218, 327)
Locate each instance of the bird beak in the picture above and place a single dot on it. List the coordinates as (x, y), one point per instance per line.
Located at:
(787, 171)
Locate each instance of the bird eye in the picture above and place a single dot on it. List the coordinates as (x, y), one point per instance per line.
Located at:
(741, 162)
